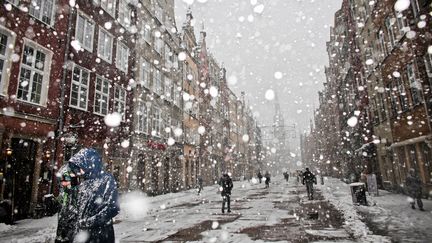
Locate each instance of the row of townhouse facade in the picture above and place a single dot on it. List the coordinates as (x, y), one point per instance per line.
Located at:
(377, 98)
(117, 76)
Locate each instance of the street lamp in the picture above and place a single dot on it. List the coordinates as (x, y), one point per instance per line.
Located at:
(8, 151)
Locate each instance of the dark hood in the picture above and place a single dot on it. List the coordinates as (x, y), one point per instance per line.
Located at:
(89, 161)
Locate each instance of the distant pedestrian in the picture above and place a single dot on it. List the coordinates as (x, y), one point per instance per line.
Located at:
(97, 198)
(309, 179)
(414, 188)
(67, 199)
(259, 176)
(226, 186)
(286, 175)
(267, 179)
(200, 184)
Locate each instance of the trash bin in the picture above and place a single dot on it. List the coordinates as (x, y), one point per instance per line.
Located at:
(358, 193)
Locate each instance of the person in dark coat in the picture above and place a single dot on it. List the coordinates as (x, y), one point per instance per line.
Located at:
(97, 198)
(226, 186)
(67, 199)
(414, 187)
(200, 184)
(309, 179)
(286, 175)
(267, 179)
(259, 176)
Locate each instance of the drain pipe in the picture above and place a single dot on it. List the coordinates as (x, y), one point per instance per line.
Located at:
(60, 123)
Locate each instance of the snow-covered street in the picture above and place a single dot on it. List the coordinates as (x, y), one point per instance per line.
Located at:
(280, 213)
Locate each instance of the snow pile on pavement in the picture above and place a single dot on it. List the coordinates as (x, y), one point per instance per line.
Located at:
(338, 193)
(6, 227)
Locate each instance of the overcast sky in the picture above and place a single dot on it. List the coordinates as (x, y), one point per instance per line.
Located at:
(287, 36)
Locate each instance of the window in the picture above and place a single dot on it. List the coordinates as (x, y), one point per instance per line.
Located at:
(105, 45)
(382, 45)
(428, 63)
(158, 12)
(390, 31)
(14, 2)
(177, 96)
(108, 6)
(122, 56)
(142, 121)
(147, 33)
(84, 32)
(168, 88)
(124, 14)
(159, 44)
(402, 94)
(156, 122)
(145, 73)
(7, 40)
(120, 100)
(402, 23)
(101, 104)
(393, 100)
(42, 10)
(414, 84)
(79, 91)
(415, 8)
(34, 74)
(157, 82)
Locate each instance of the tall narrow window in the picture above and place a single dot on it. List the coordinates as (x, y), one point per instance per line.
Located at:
(80, 84)
(124, 14)
(414, 84)
(168, 88)
(42, 10)
(101, 103)
(122, 56)
(159, 45)
(109, 6)
(105, 45)
(145, 73)
(142, 117)
(120, 100)
(147, 33)
(401, 22)
(34, 74)
(84, 32)
(382, 44)
(7, 40)
(156, 122)
(390, 31)
(428, 63)
(403, 99)
(157, 82)
(415, 8)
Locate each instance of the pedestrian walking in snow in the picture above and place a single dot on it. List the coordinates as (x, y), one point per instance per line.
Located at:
(97, 198)
(226, 186)
(309, 179)
(200, 184)
(67, 200)
(259, 175)
(286, 175)
(414, 187)
(267, 179)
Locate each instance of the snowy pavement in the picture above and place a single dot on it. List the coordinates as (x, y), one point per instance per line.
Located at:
(280, 213)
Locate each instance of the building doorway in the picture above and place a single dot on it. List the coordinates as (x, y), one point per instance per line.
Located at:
(20, 176)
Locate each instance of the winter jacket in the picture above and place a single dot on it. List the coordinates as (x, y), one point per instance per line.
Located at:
(226, 184)
(414, 186)
(308, 177)
(67, 216)
(97, 197)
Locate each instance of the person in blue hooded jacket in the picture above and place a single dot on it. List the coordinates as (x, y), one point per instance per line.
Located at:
(97, 199)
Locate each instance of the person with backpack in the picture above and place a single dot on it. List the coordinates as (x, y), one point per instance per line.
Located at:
(226, 186)
(309, 179)
(414, 188)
